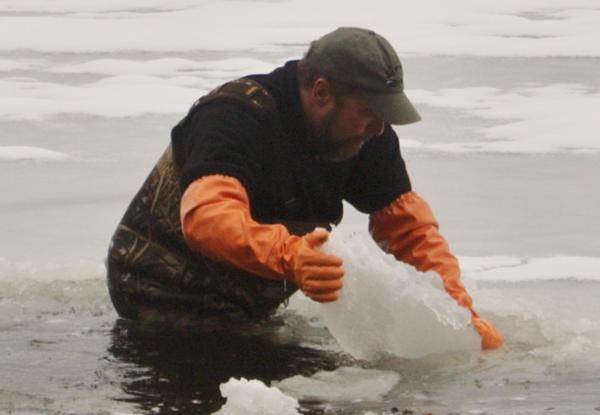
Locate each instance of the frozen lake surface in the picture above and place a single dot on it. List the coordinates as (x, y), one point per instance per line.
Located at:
(508, 155)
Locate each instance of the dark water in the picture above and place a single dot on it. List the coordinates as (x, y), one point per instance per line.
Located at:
(173, 371)
(62, 354)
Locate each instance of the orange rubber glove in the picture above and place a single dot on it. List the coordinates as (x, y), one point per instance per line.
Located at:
(491, 338)
(216, 222)
(317, 274)
(407, 229)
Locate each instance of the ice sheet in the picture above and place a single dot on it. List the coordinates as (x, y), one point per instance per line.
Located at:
(532, 269)
(487, 28)
(547, 307)
(342, 384)
(529, 120)
(535, 119)
(15, 153)
(117, 96)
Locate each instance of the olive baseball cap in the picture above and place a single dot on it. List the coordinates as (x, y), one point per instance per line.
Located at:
(365, 60)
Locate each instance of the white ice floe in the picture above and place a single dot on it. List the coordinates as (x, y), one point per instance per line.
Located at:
(252, 397)
(410, 143)
(226, 68)
(486, 28)
(15, 153)
(388, 308)
(7, 65)
(532, 269)
(543, 119)
(118, 96)
(77, 6)
(127, 88)
(48, 272)
(343, 384)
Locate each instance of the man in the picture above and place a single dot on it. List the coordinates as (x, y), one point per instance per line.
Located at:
(226, 223)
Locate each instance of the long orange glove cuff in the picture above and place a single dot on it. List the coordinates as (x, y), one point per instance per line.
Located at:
(407, 229)
(216, 222)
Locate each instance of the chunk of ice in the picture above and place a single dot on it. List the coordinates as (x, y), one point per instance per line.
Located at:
(343, 384)
(252, 397)
(387, 307)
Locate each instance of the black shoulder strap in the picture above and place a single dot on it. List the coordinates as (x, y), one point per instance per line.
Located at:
(257, 97)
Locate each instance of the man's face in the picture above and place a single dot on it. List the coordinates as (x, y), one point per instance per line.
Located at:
(346, 128)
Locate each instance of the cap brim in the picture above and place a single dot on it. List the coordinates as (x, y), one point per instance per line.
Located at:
(393, 108)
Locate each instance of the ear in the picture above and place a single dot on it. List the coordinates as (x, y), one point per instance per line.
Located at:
(322, 93)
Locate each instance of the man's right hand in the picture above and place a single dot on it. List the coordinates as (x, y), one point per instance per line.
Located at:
(317, 274)
(216, 222)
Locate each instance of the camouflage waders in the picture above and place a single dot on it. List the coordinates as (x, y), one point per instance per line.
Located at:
(151, 269)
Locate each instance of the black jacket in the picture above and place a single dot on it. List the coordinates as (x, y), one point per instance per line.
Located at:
(225, 137)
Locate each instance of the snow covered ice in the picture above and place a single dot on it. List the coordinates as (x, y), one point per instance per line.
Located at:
(252, 397)
(507, 155)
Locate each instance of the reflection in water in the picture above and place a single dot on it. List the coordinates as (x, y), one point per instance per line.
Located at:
(175, 370)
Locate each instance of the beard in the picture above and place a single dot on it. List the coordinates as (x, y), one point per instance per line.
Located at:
(332, 149)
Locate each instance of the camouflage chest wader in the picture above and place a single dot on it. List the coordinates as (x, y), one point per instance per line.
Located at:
(150, 267)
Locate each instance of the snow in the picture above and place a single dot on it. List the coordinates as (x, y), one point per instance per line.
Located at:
(167, 67)
(7, 65)
(536, 119)
(249, 397)
(117, 96)
(532, 269)
(527, 120)
(126, 58)
(252, 397)
(482, 28)
(342, 384)
(16, 153)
